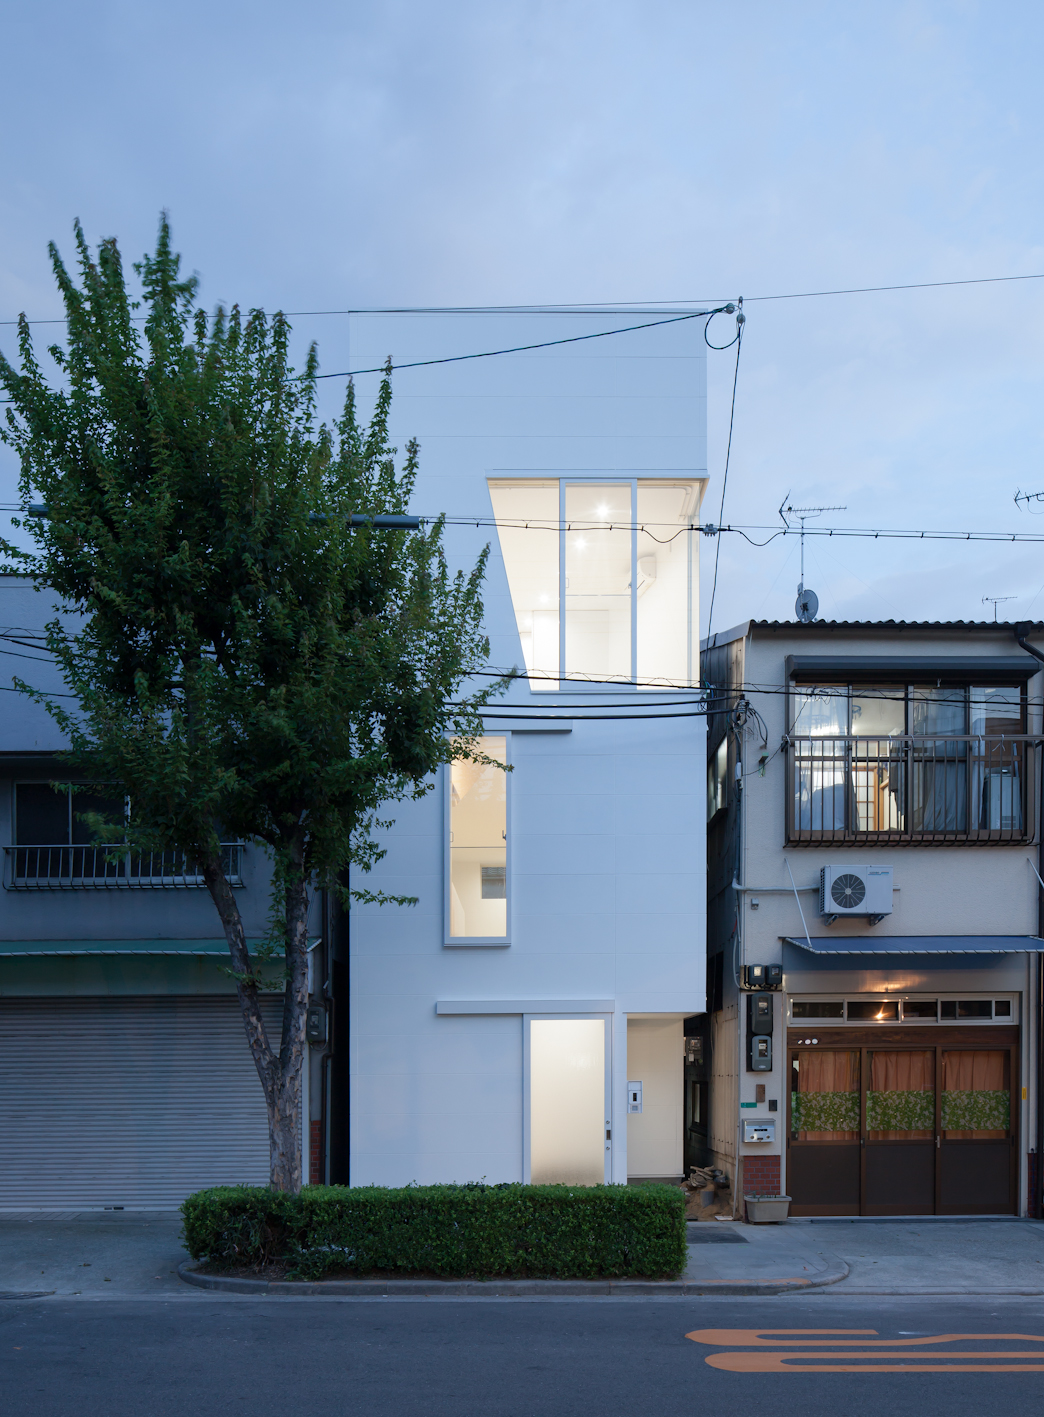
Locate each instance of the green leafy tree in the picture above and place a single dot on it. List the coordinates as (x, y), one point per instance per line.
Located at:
(245, 665)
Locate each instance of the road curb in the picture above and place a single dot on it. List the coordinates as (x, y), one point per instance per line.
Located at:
(502, 1288)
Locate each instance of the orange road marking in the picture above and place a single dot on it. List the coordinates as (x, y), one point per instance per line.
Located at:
(752, 1337)
(862, 1353)
(797, 1363)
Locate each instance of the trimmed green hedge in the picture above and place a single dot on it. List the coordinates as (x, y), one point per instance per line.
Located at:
(546, 1232)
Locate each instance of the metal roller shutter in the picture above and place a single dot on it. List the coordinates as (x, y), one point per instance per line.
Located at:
(127, 1102)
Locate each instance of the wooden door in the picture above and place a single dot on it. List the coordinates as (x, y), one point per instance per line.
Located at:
(898, 1131)
(977, 1171)
(823, 1147)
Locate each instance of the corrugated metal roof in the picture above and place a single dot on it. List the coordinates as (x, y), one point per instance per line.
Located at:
(998, 625)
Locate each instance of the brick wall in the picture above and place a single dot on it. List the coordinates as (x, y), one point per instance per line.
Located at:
(760, 1176)
(313, 1154)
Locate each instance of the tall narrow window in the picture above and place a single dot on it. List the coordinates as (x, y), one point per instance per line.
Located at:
(478, 861)
(598, 548)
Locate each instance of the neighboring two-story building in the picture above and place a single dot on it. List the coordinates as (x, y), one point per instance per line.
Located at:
(872, 1045)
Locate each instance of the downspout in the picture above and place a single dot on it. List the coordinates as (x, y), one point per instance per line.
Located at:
(1021, 631)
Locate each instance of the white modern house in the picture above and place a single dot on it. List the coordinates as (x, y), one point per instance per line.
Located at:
(558, 942)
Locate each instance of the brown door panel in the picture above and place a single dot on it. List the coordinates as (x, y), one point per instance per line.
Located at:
(975, 1178)
(900, 1178)
(823, 1178)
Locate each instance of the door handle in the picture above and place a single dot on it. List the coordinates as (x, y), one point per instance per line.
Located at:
(937, 1143)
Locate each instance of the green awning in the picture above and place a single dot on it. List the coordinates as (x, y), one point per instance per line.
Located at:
(25, 949)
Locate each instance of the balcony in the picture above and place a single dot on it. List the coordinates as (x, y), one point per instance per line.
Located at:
(64, 868)
(965, 788)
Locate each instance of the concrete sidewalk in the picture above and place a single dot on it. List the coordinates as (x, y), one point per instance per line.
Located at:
(121, 1253)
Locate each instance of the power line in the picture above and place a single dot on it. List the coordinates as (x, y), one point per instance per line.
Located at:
(521, 348)
(728, 456)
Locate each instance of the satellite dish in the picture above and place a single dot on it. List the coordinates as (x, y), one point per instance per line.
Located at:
(806, 607)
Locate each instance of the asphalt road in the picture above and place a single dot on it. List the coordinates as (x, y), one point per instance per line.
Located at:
(156, 1357)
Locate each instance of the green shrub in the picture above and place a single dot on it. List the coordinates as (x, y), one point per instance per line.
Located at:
(546, 1232)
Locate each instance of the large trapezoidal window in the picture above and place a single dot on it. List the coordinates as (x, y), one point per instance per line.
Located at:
(603, 577)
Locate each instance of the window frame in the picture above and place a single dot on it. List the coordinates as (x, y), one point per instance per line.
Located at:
(632, 479)
(850, 834)
(477, 941)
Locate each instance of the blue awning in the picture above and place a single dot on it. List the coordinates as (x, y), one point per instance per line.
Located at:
(917, 944)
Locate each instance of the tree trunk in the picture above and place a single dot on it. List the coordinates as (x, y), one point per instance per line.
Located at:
(280, 1072)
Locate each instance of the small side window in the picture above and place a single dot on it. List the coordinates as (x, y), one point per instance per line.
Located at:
(718, 780)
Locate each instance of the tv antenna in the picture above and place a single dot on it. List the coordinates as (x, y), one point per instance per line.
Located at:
(1028, 498)
(996, 600)
(806, 607)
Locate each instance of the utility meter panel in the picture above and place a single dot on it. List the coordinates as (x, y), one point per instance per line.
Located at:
(759, 1131)
(761, 1010)
(759, 1053)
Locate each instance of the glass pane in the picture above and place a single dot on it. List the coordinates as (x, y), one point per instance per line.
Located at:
(821, 711)
(1002, 1008)
(900, 1096)
(939, 791)
(920, 1008)
(996, 710)
(824, 1099)
(801, 1008)
(528, 531)
(937, 711)
(567, 1102)
(478, 845)
(874, 1010)
(41, 815)
(819, 785)
(879, 712)
(975, 1008)
(598, 580)
(976, 1095)
(666, 584)
(996, 763)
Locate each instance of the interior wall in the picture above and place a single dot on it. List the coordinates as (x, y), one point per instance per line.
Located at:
(656, 1058)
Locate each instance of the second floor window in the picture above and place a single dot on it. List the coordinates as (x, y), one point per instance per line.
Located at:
(478, 846)
(603, 577)
(907, 761)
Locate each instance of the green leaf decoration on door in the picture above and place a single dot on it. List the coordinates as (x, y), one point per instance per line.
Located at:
(824, 1111)
(976, 1111)
(900, 1111)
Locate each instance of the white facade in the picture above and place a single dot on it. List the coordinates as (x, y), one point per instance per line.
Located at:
(592, 908)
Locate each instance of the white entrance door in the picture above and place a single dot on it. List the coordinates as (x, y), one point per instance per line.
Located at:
(568, 1137)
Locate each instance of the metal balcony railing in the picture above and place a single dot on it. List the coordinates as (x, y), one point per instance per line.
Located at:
(50, 868)
(919, 790)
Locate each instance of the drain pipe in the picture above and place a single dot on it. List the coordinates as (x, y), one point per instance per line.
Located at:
(1022, 630)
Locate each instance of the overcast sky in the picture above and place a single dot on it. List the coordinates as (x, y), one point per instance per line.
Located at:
(323, 156)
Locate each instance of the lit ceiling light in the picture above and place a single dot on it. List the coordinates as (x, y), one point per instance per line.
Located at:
(580, 543)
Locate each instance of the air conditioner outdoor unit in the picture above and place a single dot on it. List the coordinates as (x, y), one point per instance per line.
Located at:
(855, 890)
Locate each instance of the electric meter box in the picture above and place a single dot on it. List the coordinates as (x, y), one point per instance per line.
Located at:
(761, 1009)
(759, 1056)
(759, 1131)
(763, 976)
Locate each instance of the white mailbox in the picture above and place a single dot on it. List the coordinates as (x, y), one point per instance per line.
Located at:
(759, 1131)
